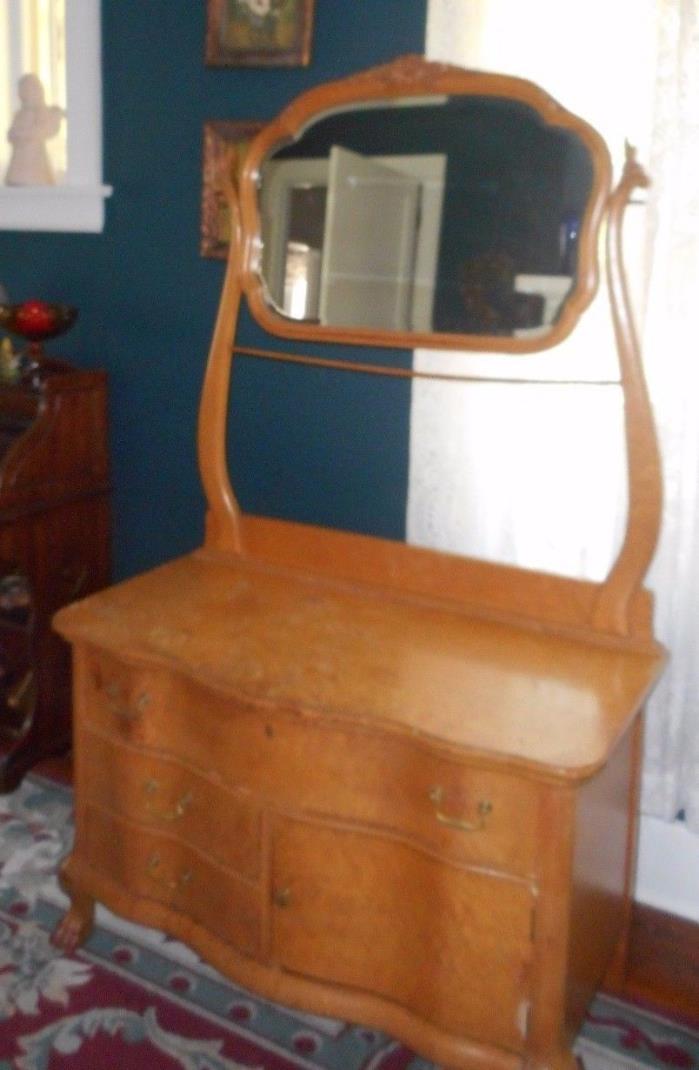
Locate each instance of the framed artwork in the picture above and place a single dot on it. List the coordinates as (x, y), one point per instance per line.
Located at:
(225, 145)
(258, 33)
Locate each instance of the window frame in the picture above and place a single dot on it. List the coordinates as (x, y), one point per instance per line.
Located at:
(77, 204)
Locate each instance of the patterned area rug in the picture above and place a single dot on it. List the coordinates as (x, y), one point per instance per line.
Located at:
(134, 998)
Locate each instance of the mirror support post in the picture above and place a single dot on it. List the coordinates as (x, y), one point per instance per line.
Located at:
(643, 457)
(223, 528)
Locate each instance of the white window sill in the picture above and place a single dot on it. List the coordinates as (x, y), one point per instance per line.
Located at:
(53, 208)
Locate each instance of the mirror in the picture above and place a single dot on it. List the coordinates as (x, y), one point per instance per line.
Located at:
(449, 208)
(459, 216)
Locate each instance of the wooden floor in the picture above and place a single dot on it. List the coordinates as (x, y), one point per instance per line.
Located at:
(663, 968)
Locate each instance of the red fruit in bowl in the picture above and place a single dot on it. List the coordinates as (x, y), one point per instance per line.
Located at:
(34, 318)
(37, 320)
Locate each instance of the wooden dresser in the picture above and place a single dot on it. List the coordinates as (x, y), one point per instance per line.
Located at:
(54, 537)
(361, 778)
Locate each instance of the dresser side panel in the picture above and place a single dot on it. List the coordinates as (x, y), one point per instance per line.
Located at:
(604, 829)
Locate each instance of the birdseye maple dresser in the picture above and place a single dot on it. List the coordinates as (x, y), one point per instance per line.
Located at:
(362, 778)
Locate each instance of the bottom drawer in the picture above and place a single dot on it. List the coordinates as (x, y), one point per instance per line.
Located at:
(452, 945)
(172, 873)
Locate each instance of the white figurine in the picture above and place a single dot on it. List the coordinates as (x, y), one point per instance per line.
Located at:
(33, 124)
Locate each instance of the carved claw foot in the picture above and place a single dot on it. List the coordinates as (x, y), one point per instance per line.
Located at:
(75, 927)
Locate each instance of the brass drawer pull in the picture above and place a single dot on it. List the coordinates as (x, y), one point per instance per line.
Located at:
(117, 706)
(152, 787)
(282, 897)
(177, 885)
(484, 808)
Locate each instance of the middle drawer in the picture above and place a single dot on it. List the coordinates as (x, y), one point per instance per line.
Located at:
(165, 794)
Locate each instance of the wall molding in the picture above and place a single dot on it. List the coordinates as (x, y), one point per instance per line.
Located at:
(53, 208)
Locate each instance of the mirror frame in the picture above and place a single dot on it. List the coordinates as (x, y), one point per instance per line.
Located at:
(413, 76)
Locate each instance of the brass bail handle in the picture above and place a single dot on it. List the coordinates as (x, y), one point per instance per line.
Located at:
(152, 787)
(119, 706)
(485, 807)
(153, 870)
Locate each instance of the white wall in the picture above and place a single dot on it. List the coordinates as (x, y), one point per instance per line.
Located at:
(598, 60)
(668, 868)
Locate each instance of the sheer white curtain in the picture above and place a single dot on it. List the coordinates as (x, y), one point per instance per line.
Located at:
(548, 475)
(32, 39)
(671, 770)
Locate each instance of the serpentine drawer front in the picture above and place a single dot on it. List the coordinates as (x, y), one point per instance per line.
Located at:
(431, 864)
(468, 813)
(169, 796)
(165, 869)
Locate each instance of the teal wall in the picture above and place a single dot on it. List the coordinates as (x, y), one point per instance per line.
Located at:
(147, 299)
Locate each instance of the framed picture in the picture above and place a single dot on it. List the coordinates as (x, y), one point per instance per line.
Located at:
(225, 145)
(258, 33)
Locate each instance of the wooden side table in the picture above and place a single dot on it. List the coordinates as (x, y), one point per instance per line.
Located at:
(54, 539)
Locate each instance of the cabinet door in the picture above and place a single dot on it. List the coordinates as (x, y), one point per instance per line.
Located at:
(450, 944)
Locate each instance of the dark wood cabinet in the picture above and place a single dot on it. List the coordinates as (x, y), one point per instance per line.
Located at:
(54, 548)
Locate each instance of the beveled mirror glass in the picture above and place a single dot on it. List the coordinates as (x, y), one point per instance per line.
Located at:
(424, 205)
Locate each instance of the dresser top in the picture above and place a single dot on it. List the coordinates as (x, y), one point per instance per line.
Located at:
(511, 694)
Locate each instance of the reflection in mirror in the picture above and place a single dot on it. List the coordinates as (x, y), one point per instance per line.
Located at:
(452, 214)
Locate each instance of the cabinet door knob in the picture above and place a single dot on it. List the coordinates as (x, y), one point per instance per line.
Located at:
(484, 808)
(282, 897)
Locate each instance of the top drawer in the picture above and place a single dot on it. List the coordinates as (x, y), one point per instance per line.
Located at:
(319, 765)
(121, 699)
